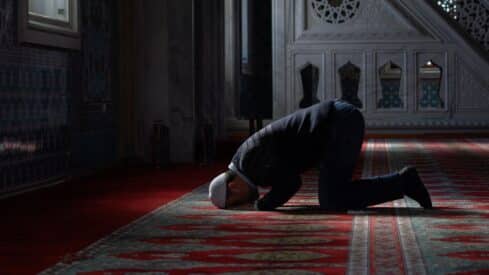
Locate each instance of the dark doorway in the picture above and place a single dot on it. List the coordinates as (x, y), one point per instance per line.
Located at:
(256, 101)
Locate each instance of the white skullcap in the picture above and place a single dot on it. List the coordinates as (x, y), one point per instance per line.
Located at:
(218, 190)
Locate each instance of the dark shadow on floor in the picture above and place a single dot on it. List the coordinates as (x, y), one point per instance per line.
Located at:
(438, 212)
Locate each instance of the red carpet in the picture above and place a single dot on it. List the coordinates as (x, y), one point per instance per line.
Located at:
(44, 227)
(188, 235)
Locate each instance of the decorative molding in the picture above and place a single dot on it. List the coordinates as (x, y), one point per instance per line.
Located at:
(362, 37)
(474, 17)
(431, 124)
(471, 15)
(368, 24)
(335, 13)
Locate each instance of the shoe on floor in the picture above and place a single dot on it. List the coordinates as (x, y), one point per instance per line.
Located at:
(414, 187)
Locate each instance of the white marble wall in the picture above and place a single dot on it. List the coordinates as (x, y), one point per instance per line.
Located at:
(406, 32)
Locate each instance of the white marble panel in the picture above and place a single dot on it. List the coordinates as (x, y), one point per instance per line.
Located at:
(356, 20)
(472, 92)
(406, 32)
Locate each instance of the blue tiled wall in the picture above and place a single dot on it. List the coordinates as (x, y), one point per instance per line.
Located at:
(430, 94)
(390, 94)
(43, 94)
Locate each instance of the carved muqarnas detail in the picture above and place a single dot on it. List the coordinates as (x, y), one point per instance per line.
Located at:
(310, 81)
(390, 79)
(430, 75)
(472, 15)
(350, 80)
(335, 11)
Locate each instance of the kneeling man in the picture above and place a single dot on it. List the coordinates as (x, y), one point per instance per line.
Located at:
(328, 134)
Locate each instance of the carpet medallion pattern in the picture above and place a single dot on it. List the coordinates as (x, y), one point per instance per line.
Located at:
(190, 236)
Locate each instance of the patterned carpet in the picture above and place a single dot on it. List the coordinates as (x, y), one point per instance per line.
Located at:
(190, 236)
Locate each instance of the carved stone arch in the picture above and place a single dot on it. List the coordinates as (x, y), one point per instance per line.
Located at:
(430, 78)
(310, 83)
(390, 76)
(350, 81)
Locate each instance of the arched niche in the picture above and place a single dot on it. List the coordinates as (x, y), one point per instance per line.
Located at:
(310, 82)
(429, 79)
(390, 76)
(350, 80)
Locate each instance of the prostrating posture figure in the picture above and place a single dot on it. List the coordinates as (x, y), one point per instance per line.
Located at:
(328, 134)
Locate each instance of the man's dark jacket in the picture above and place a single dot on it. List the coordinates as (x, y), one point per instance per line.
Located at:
(276, 155)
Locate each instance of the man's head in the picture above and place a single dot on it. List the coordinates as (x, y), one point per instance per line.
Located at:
(228, 189)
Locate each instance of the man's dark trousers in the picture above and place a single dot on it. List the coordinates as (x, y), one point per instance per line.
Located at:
(337, 191)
